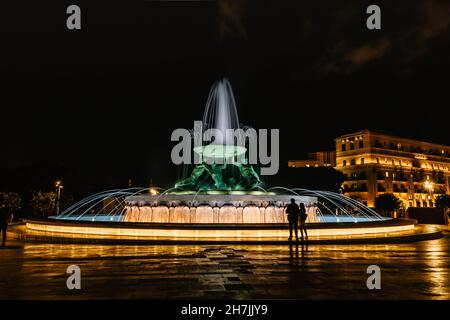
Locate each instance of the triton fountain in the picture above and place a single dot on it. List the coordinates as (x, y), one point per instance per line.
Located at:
(221, 198)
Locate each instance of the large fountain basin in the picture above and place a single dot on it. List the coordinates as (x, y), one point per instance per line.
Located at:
(214, 208)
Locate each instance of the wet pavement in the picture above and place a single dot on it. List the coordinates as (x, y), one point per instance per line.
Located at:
(418, 270)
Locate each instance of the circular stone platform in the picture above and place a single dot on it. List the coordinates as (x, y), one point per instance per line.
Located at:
(49, 230)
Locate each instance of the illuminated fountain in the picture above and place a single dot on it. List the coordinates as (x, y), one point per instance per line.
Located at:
(221, 198)
(220, 190)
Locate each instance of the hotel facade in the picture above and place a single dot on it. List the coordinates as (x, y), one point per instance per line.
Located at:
(375, 163)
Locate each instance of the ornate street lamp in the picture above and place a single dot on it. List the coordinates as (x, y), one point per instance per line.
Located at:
(58, 186)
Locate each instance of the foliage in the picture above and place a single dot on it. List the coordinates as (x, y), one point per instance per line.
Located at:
(43, 203)
(387, 202)
(11, 200)
(443, 201)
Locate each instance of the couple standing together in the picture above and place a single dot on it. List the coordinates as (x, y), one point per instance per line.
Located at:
(294, 214)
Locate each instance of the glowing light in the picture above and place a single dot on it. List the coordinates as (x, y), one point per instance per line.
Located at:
(429, 185)
(216, 192)
(257, 193)
(219, 151)
(238, 192)
(209, 233)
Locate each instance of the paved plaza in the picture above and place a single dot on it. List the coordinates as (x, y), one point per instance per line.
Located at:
(418, 270)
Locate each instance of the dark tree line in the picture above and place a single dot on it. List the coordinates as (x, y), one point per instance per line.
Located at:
(314, 178)
(34, 186)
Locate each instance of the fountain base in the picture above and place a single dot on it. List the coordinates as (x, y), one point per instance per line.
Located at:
(52, 230)
(255, 208)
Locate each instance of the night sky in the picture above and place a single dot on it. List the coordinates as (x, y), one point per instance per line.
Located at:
(104, 100)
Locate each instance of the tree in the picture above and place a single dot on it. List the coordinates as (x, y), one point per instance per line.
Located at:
(443, 201)
(11, 200)
(43, 203)
(387, 203)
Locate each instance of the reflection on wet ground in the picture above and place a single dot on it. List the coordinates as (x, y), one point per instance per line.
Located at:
(409, 271)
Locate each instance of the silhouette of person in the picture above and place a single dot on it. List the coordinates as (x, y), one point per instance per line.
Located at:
(303, 217)
(292, 211)
(4, 215)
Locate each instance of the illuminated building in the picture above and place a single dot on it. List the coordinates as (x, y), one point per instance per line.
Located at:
(376, 162)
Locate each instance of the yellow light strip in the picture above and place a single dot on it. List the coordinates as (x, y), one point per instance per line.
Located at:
(211, 233)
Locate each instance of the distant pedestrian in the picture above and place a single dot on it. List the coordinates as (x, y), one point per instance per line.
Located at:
(4, 219)
(292, 211)
(303, 217)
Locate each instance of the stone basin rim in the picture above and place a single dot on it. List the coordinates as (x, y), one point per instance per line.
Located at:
(204, 226)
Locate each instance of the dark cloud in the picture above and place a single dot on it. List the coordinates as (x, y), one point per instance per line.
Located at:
(231, 15)
(398, 45)
(433, 22)
(347, 58)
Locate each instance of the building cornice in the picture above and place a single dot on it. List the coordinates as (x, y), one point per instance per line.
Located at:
(374, 133)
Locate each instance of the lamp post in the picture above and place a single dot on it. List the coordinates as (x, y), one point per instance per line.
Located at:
(58, 186)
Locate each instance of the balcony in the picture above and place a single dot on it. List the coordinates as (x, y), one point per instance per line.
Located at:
(356, 176)
(360, 187)
(412, 151)
(400, 188)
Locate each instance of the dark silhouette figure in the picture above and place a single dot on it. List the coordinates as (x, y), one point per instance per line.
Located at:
(4, 217)
(292, 211)
(303, 217)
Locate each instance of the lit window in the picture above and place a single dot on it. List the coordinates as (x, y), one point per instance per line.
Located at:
(387, 174)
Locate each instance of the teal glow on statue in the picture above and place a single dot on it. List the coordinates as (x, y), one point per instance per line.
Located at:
(224, 166)
(231, 177)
